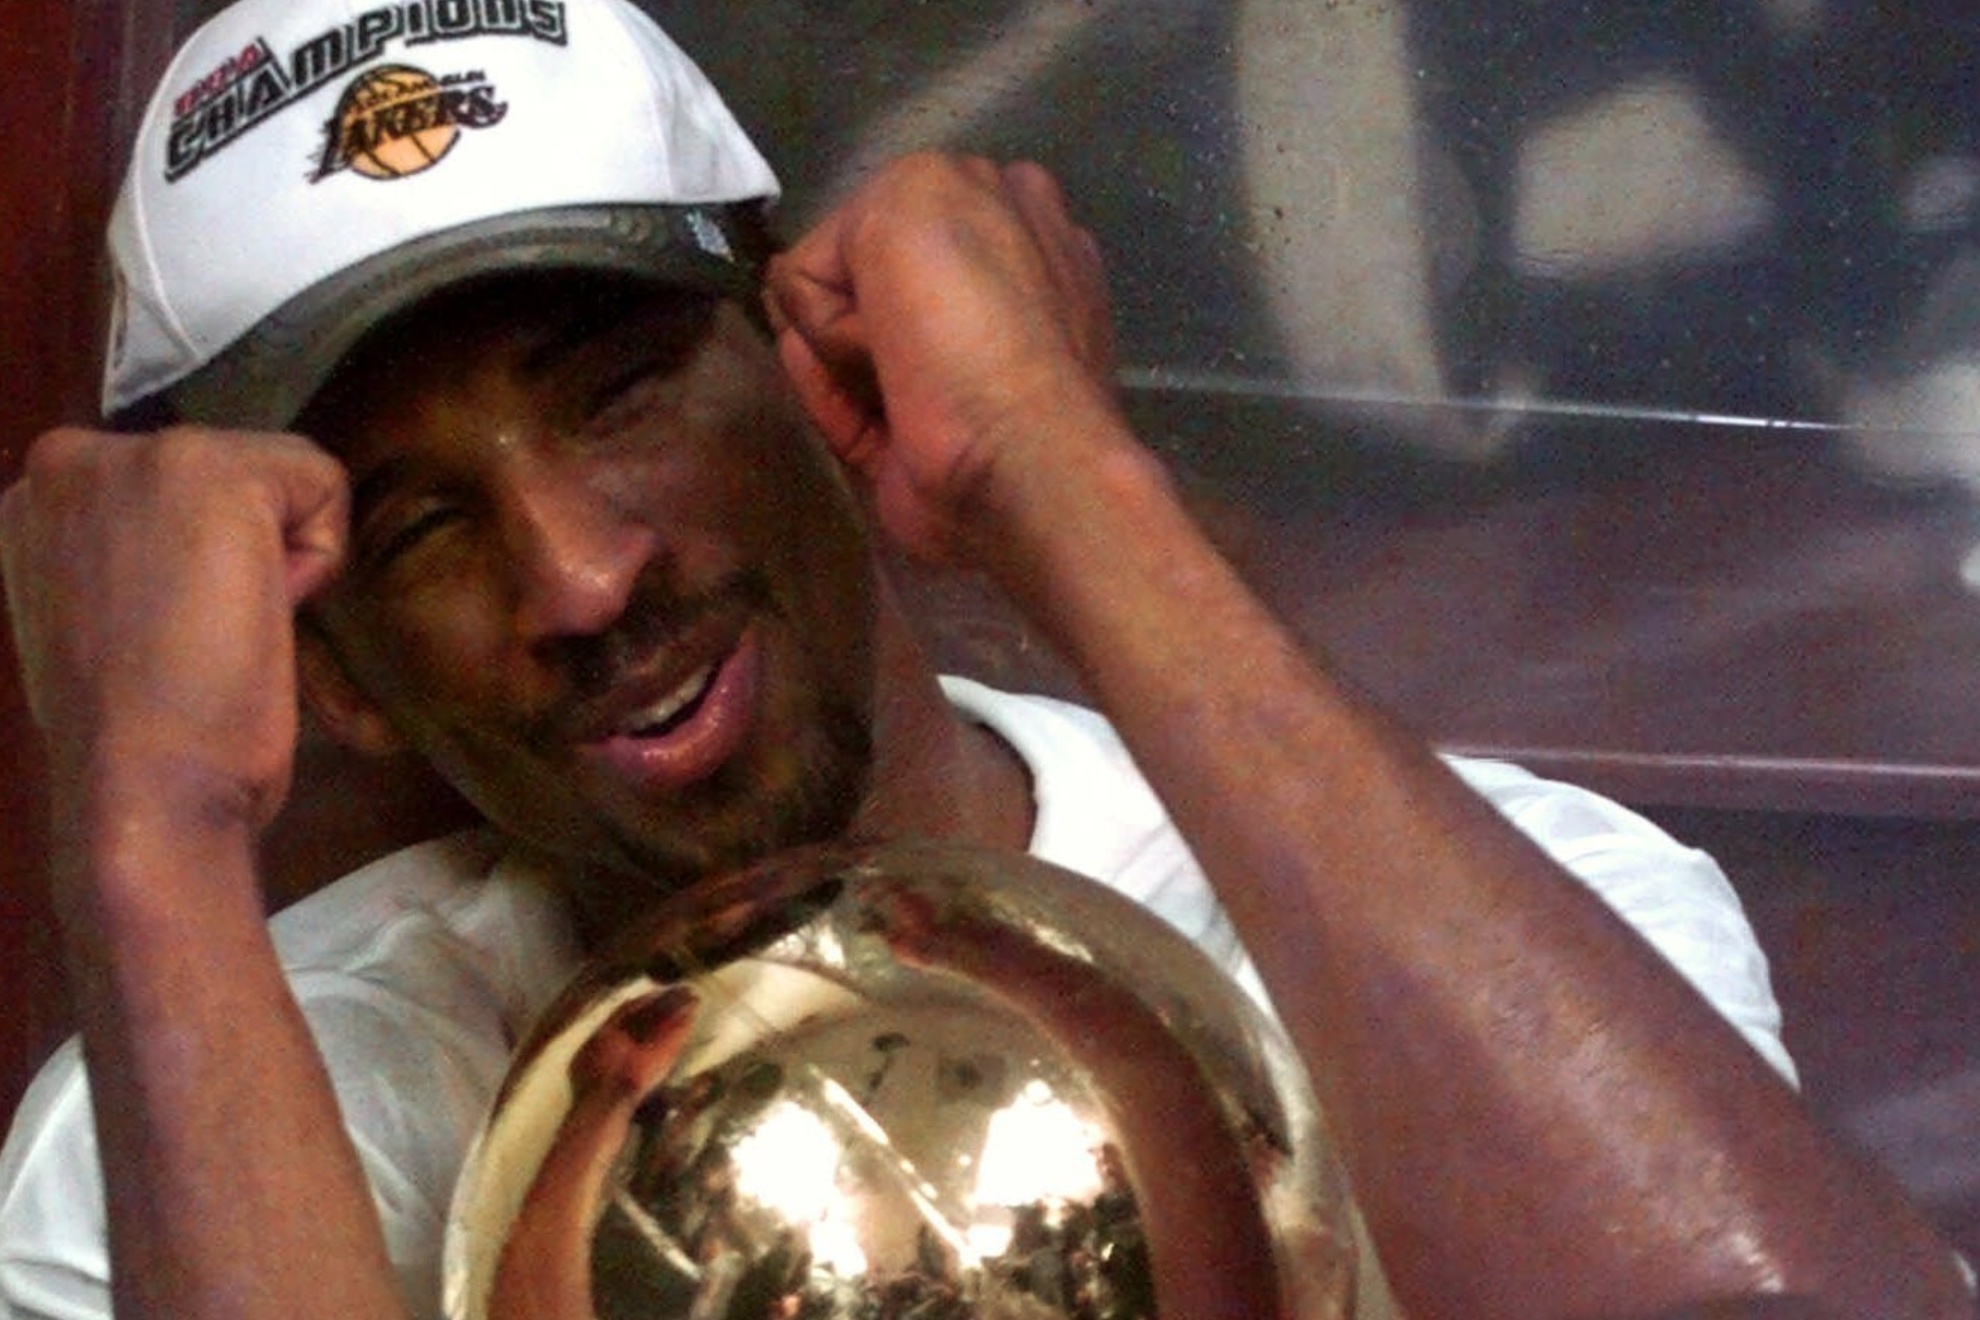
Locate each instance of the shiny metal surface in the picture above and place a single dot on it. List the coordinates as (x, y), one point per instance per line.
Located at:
(925, 1081)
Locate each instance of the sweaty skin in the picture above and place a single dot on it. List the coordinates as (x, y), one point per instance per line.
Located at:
(1540, 1119)
(581, 599)
(610, 583)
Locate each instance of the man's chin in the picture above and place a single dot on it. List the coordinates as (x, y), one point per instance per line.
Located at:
(643, 872)
(619, 864)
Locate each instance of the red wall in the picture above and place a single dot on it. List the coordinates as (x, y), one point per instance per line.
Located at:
(68, 73)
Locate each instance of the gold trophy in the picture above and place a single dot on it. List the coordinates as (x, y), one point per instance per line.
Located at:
(912, 1082)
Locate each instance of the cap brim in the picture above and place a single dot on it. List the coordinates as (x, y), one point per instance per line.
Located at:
(265, 379)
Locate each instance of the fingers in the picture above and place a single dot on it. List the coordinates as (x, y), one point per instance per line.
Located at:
(312, 506)
(962, 229)
(1071, 252)
(940, 327)
(634, 1049)
(808, 292)
(150, 583)
(131, 511)
(823, 342)
(836, 384)
(908, 922)
(658, 1022)
(104, 483)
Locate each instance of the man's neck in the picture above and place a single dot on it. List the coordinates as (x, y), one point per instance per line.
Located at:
(937, 774)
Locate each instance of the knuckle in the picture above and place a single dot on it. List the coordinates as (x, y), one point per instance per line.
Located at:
(56, 452)
(178, 455)
(937, 173)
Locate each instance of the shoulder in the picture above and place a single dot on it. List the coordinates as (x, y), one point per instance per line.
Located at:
(332, 925)
(1624, 856)
(1097, 816)
(1675, 896)
(1095, 812)
(52, 1257)
(418, 974)
(452, 926)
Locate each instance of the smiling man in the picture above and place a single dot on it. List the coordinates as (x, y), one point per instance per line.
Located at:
(572, 582)
(502, 437)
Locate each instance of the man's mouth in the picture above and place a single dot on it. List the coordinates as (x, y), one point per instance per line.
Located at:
(670, 711)
(669, 739)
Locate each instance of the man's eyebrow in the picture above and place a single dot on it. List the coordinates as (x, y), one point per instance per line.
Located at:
(675, 320)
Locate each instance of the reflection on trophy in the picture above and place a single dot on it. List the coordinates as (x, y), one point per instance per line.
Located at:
(915, 1082)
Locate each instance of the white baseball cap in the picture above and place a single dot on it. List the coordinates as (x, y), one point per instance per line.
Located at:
(308, 167)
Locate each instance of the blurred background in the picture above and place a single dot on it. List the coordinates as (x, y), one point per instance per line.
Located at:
(1598, 381)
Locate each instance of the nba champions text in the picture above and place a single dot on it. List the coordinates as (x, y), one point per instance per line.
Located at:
(248, 88)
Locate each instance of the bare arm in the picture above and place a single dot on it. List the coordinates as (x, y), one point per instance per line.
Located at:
(544, 1270)
(150, 583)
(1540, 1118)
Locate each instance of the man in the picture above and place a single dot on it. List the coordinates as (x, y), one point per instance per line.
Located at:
(568, 524)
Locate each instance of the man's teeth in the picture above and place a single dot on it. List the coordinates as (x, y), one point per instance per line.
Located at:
(653, 719)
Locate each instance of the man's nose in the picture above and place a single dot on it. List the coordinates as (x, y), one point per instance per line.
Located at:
(577, 549)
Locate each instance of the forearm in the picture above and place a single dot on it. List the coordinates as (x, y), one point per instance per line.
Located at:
(230, 1186)
(1542, 1119)
(544, 1270)
(1510, 1067)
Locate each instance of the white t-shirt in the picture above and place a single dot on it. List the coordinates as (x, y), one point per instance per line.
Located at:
(420, 972)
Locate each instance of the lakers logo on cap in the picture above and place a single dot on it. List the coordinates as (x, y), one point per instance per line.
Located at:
(249, 86)
(396, 121)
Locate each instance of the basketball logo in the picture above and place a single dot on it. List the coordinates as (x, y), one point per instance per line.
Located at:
(388, 116)
(396, 121)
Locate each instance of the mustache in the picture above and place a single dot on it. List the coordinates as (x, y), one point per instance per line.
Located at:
(655, 617)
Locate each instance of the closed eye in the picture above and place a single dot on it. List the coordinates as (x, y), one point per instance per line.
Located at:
(623, 402)
(635, 363)
(380, 549)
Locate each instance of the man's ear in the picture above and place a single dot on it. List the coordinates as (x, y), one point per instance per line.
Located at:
(346, 713)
